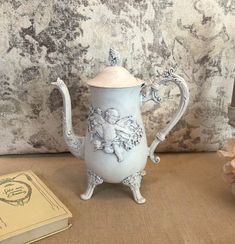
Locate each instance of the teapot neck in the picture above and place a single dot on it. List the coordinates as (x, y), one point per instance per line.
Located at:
(121, 98)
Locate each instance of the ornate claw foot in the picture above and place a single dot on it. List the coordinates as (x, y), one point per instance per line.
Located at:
(134, 182)
(93, 181)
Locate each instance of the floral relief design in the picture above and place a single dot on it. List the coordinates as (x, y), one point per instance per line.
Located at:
(111, 133)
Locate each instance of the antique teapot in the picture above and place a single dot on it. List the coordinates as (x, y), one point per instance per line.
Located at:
(115, 147)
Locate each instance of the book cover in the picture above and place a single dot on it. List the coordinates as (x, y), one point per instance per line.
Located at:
(27, 205)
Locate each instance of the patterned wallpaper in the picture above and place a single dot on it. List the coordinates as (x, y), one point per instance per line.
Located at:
(41, 40)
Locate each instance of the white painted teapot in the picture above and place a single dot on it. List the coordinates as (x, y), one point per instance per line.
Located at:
(115, 147)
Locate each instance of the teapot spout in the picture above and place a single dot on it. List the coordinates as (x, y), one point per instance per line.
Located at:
(76, 144)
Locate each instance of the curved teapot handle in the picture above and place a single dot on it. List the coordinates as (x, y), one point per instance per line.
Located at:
(169, 76)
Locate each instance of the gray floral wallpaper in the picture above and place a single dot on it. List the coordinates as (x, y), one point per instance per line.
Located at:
(41, 40)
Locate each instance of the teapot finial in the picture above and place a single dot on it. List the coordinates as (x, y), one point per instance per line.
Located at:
(114, 57)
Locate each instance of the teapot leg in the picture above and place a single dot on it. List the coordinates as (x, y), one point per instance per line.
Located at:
(134, 182)
(93, 181)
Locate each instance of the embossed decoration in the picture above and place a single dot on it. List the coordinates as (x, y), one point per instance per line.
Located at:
(133, 181)
(111, 133)
(94, 179)
(15, 192)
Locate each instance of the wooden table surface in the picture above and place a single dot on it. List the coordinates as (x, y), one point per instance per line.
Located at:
(187, 201)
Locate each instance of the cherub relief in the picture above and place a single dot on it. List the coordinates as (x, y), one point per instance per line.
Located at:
(112, 134)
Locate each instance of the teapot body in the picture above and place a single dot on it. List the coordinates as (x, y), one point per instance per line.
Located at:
(115, 143)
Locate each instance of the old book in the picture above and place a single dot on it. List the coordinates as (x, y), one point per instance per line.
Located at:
(29, 211)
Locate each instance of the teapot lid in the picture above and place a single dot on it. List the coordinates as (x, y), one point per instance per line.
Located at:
(114, 76)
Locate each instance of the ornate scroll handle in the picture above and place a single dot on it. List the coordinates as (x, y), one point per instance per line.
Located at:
(168, 76)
